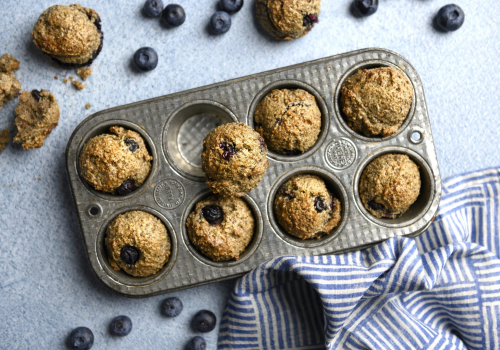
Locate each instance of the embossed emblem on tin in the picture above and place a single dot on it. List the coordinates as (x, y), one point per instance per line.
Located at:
(169, 194)
(341, 153)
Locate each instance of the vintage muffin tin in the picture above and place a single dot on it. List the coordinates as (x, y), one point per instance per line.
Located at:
(173, 128)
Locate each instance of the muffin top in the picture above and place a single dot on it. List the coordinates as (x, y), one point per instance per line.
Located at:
(389, 185)
(234, 159)
(288, 120)
(305, 208)
(68, 33)
(221, 227)
(376, 101)
(116, 162)
(138, 243)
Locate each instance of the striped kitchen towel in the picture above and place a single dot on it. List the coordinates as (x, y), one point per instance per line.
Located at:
(438, 291)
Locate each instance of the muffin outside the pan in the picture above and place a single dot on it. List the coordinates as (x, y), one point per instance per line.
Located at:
(389, 185)
(234, 159)
(138, 243)
(305, 208)
(376, 101)
(288, 120)
(288, 19)
(221, 227)
(118, 162)
(70, 35)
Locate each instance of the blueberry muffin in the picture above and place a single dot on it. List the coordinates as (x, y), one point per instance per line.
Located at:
(288, 19)
(376, 101)
(234, 159)
(137, 243)
(221, 227)
(305, 208)
(70, 35)
(36, 115)
(389, 185)
(288, 120)
(118, 162)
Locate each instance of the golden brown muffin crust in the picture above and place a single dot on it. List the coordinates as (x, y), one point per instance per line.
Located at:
(36, 115)
(389, 185)
(376, 101)
(147, 234)
(228, 239)
(288, 120)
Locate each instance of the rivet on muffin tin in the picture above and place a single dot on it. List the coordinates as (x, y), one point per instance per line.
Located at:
(177, 124)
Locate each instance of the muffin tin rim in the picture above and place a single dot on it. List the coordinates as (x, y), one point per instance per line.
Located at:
(339, 115)
(102, 254)
(257, 238)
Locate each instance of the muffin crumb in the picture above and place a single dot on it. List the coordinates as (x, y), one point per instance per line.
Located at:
(8, 64)
(65, 80)
(78, 84)
(84, 73)
(56, 77)
(4, 139)
(87, 106)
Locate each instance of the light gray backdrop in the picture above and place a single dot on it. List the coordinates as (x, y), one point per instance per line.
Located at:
(46, 285)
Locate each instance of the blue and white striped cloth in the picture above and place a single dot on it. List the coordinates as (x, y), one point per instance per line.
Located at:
(438, 291)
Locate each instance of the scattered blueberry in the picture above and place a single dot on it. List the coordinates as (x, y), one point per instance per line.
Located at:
(228, 150)
(204, 321)
(126, 187)
(366, 7)
(132, 145)
(231, 6)
(121, 326)
(129, 254)
(145, 59)
(450, 17)
(309, 20)
(213, 214)
(81, 338)
(173, 15)
(36, 95)
(320, 205)
(171, 307)
(376, 206)
(220, 22)
(153, 8)
(197, 343)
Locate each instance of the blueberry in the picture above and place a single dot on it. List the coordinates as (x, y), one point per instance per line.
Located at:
(132, 145)
(262, 144)
(204, 321)
(145, 59)
(121, 326)
(171, 307)
(366, 7)
(173, 15)
(129, 254)
(81, 338)
(320, 205)
(220, 22)
(197, 343)
(36, 95)
(309, 20)
(376, 206)
(126, 187)
(231, 6)
(153, 8)
(213, 214)
(450, 17)
(228, 150)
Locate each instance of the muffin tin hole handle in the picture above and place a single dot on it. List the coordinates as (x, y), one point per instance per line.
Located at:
(94, 210)
(416, 135)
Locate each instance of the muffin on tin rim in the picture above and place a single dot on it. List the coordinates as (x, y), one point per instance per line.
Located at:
(69, 35)
(221, 228)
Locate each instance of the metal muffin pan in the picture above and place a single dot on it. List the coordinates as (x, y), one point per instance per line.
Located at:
(174, 127)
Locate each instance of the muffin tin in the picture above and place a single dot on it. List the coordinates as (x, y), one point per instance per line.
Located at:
(174, 127)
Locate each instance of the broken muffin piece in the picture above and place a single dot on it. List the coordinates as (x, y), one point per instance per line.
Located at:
(36, 115)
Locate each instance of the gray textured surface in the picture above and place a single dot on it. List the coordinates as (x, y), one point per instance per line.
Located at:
(46, 285)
